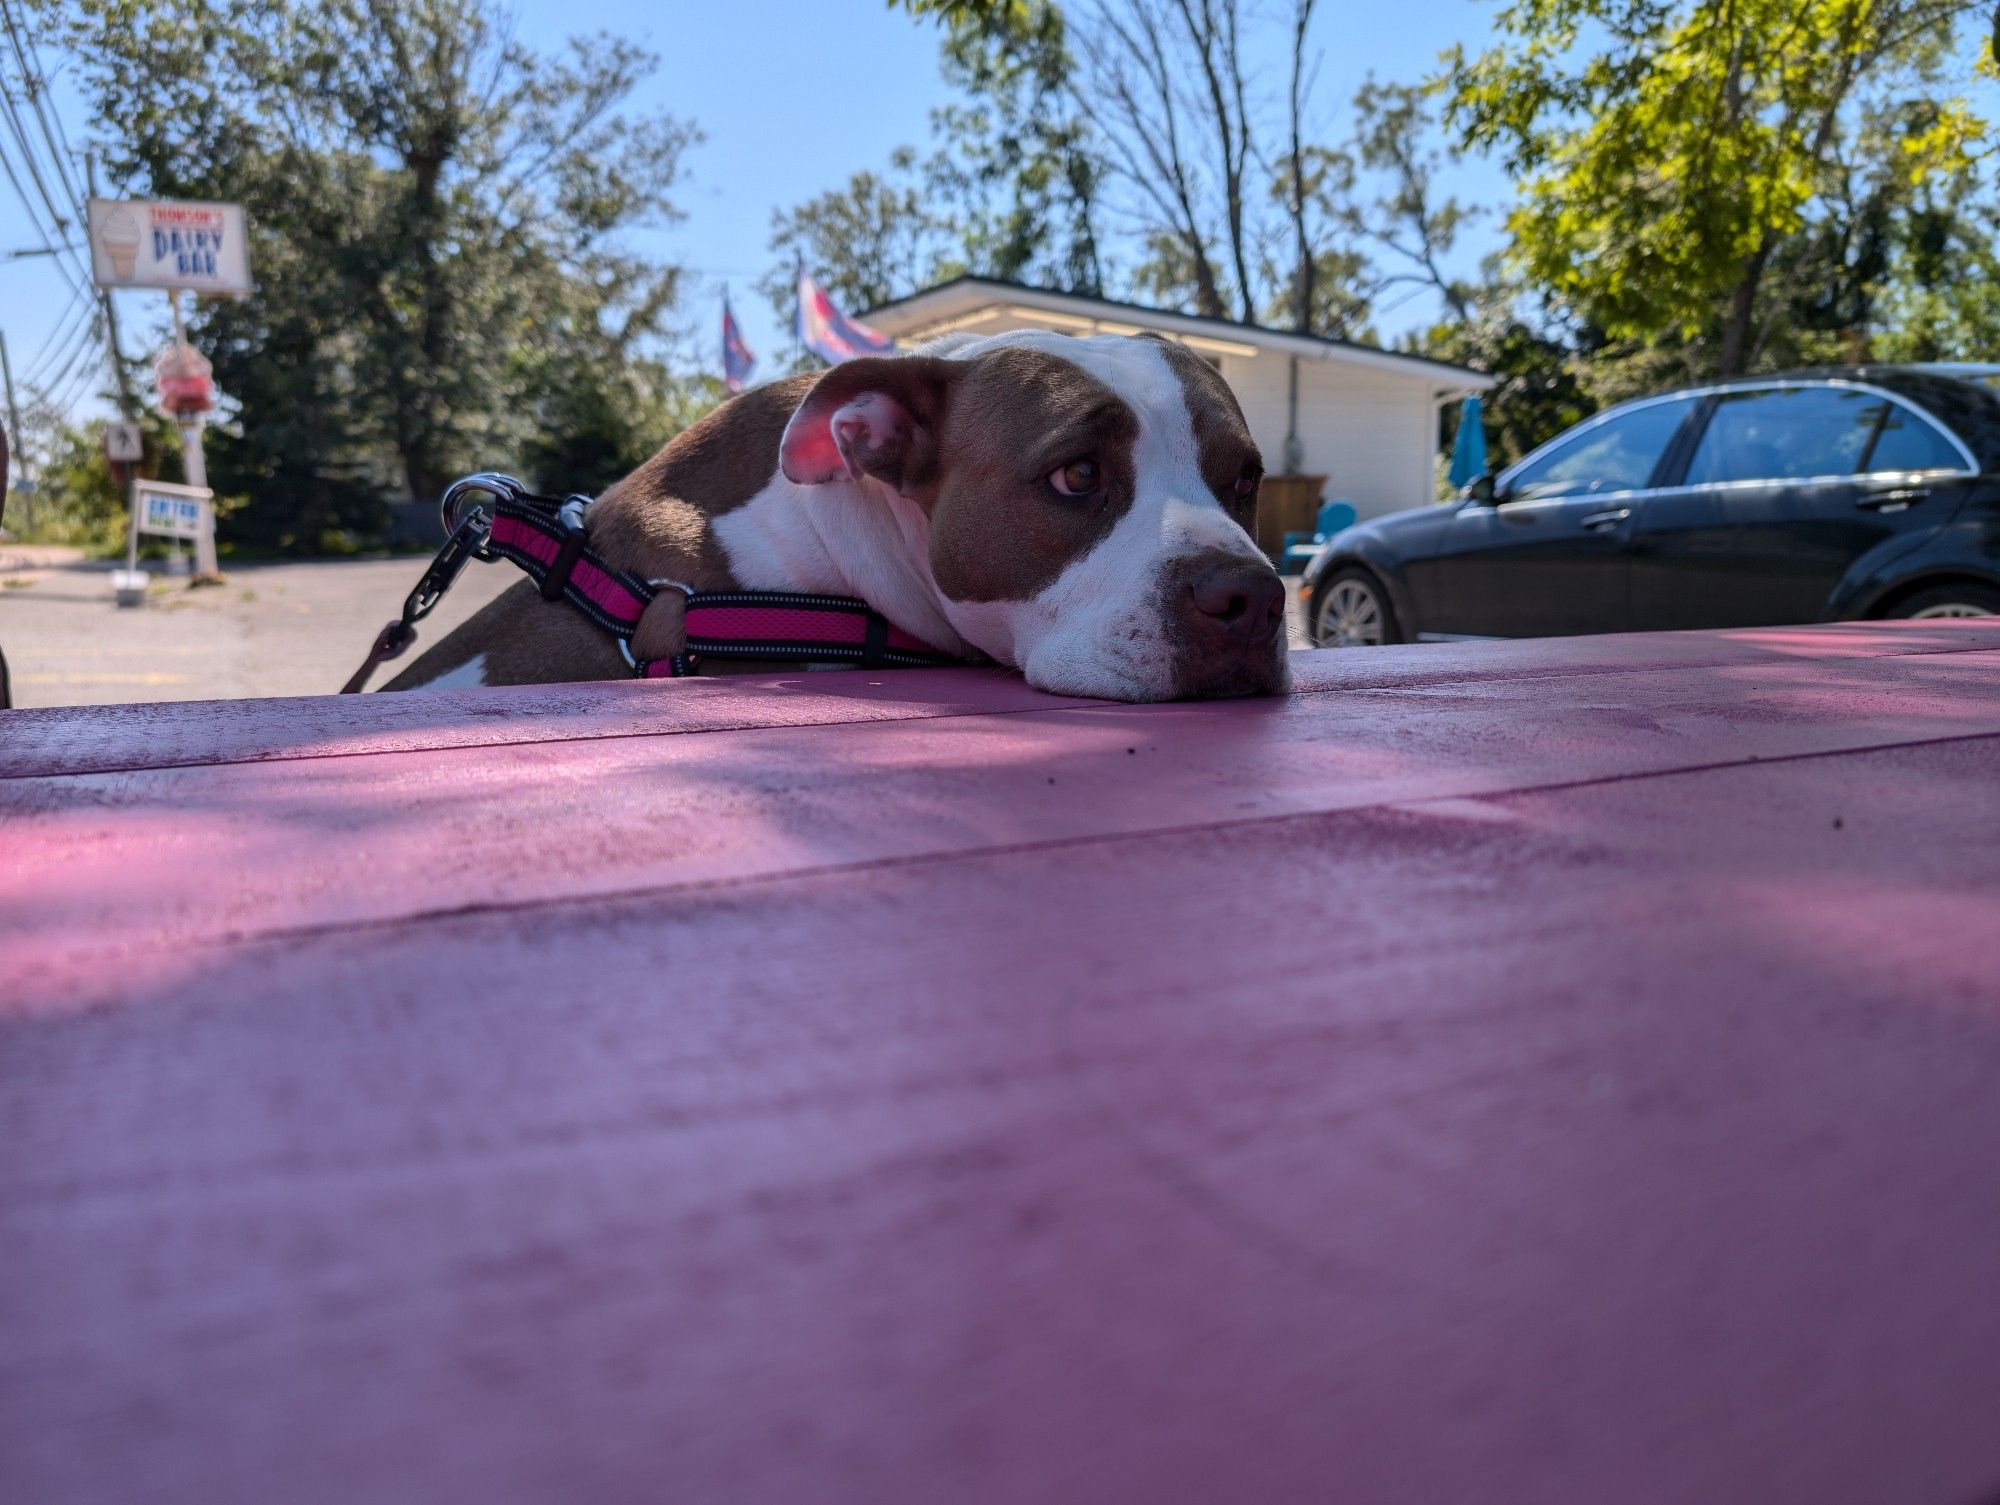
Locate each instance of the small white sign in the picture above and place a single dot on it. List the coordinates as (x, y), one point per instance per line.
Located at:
(123, 441)
(169, 243)
(170, 511)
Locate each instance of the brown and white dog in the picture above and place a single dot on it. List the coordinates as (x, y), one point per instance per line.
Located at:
(1076, 508)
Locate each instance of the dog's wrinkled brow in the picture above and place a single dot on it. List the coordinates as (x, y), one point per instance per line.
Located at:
(1107, 420)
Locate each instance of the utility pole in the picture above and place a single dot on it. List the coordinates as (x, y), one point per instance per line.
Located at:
(127, 408)
(14, 431)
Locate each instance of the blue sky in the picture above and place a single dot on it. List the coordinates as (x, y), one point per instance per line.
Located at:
(793, 96)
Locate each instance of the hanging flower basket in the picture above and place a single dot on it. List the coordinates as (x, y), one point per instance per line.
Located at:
(185, 381)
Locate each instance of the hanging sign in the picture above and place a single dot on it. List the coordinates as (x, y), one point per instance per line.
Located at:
(169, 243)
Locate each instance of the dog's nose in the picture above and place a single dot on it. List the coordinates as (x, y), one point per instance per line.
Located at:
(1242, 597)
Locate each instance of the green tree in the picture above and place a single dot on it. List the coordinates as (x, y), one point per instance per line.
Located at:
(1939, 297)
(1670, 149)
(436, 212)
(1545, 380)
(76, 499)
(1016, 174)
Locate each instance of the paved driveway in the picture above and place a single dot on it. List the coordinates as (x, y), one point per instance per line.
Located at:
(274, 629)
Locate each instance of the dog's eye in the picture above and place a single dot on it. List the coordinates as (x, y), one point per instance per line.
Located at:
(1078, 478)
(1246, 484)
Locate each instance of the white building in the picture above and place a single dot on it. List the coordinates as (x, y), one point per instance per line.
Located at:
(1365, 419)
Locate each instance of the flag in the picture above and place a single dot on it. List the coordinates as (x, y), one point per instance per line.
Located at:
(830, 334)
(1468, 455)
(737, 361)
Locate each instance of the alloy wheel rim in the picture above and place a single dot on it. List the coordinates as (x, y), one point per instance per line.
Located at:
(1350, 617)
(1950, 609)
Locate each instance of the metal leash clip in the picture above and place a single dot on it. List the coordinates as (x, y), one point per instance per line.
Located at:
(463, 493)
(467, 542)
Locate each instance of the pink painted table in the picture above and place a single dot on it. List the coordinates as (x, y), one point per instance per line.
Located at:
(1539, 1072)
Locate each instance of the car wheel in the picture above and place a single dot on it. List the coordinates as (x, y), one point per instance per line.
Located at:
(1354, 612)
(1968, 600)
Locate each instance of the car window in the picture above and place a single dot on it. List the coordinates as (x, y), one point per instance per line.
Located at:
(1785, 434)
(1907, 441)
(1617, 453)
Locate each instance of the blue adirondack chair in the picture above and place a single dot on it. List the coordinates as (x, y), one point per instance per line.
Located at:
(1300, 547)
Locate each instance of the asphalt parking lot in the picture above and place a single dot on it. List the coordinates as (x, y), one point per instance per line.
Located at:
(272, 629)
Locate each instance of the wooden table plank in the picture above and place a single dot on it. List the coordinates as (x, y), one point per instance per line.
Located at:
(342, 840)
(88, 739)
(1576, 1085)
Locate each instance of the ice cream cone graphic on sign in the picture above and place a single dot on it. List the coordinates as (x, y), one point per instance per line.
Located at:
(120, 239)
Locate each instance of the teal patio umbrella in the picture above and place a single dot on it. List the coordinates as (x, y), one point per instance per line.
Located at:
(1468, 455)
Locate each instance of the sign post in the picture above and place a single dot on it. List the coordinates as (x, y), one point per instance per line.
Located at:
(186, 386)
(27, 486)
(175, 246)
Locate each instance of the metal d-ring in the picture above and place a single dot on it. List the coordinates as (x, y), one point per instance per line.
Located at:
(458, 496)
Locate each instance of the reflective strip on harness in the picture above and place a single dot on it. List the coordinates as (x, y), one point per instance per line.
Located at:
(790, 625)
(600, 588)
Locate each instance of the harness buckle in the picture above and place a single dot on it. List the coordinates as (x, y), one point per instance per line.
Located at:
(569, 517)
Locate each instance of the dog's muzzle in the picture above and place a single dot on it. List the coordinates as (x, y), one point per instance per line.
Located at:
(1225, 621)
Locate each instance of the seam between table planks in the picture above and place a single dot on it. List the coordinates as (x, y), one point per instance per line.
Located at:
(419, 917)
(1076, 704)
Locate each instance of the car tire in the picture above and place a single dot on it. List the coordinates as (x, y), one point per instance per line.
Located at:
(1352, 610)
(1969, 599)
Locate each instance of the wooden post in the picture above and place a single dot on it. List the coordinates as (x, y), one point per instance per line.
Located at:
(14, 431)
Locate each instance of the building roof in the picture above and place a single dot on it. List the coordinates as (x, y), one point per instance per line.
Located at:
(937, 310)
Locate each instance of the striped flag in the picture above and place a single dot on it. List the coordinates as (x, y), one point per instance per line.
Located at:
(737, 361)
(830, 334)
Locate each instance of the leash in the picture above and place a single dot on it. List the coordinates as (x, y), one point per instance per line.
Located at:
(491, 516)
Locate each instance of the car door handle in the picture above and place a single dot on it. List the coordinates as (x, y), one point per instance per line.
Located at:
(1896, 499)
(1604, 522)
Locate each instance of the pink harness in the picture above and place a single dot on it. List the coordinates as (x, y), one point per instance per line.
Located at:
(491, 516)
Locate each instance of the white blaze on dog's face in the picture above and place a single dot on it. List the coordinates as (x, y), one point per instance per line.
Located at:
(1087, 501)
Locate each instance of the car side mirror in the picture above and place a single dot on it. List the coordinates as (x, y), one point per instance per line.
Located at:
(1480, 489)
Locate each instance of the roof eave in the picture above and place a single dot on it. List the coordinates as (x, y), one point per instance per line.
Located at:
(964, 295)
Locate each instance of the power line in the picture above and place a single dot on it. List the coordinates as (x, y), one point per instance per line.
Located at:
(55, 139)
(34, 221)
(37, 82)
(62, 391)
(29, 157)
(84, 349)
(74, 313)
(12, 117)
(37, 79)
(76, 389)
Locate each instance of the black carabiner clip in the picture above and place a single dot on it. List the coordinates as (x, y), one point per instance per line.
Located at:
(467, 542)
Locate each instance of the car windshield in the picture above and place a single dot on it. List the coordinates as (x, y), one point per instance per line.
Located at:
(1616, 453)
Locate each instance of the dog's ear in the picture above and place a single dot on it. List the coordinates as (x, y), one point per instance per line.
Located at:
(879, 416)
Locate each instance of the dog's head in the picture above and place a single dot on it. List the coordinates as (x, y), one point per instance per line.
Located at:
(1087, 503)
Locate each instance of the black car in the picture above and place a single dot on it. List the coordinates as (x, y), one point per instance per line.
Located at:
(1866, 491)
